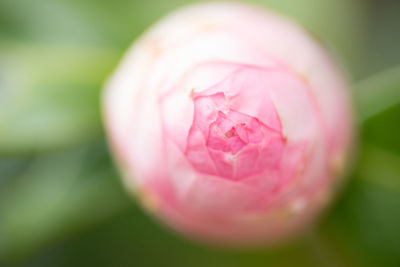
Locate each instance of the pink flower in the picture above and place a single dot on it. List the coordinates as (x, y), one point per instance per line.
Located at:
(230, 123)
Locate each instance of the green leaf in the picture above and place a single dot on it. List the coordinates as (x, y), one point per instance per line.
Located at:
(59, 194)
(380, 167)
(49, 95)
(377, 93)
(364, 223)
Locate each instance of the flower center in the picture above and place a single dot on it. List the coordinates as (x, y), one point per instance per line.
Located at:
(232, 131)
(236, 131)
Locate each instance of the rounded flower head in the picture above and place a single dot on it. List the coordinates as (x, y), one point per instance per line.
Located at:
(230, 123)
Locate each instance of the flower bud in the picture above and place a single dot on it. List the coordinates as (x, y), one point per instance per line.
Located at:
(231, 124)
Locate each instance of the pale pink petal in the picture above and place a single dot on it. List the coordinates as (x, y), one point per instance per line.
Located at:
(197, 152)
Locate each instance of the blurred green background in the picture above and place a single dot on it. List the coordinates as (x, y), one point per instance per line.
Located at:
(61, 201)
